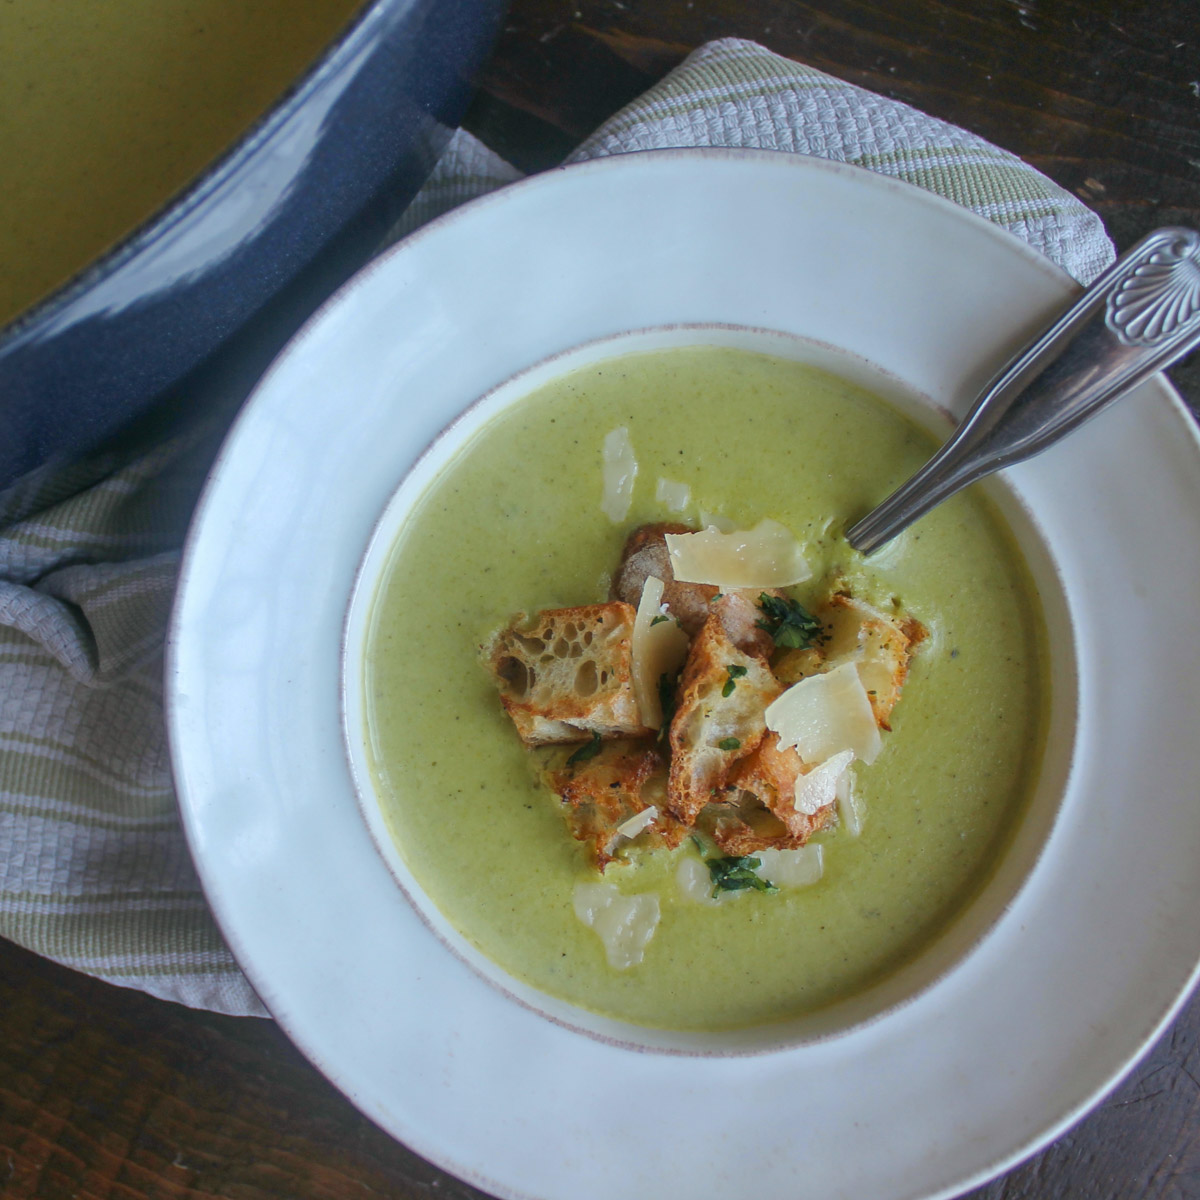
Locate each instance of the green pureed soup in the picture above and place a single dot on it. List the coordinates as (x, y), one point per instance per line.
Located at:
(514, 523)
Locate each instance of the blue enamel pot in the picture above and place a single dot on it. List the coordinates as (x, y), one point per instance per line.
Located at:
(253, 245)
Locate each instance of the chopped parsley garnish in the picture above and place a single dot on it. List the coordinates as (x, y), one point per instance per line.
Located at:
(660, 617)
(792, 626)
(729, 744)
(736, 671)
(586, 752)
(737, 874)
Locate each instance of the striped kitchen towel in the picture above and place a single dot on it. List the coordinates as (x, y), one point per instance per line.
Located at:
(737, 93)
(94, 871)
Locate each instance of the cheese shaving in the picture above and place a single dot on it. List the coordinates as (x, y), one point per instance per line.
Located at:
(625, 924)
(676, 496)
(791, 868)
(850, 809)
(818, 788)
(712, 520)
(694, 882)
(826, 714)
(767, 556)
(639, 821)
(620, 470)
(659, 648)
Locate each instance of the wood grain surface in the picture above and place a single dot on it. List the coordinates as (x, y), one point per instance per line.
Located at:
(106, 1093)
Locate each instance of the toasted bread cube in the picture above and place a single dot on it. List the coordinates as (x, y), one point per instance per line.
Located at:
(739, 825)
(719, 717)
(794, 665)
(879, 644)
(769, 777)
(568, 674)
(742, 826)
(603, 792)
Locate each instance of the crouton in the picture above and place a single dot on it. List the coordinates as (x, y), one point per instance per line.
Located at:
(769, 776)
(645, 554)
(603, 792)
(719, 717)
(879, 644)
(740, 825)
(568, 674)
(794, 665)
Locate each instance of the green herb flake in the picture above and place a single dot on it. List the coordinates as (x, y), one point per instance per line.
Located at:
(729, 744)
(792, 626)
(660, 617)
(585, 752)
(737, 875)
(736, 671)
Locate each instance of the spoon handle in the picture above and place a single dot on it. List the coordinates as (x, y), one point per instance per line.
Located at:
(1140, 316)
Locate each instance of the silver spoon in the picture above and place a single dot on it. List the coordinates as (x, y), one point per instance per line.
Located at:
(1138, 318)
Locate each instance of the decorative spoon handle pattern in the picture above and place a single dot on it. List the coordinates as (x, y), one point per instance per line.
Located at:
(1140, 316)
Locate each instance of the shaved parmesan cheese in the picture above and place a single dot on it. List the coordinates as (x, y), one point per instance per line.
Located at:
(659, 648)
(625, 924)
(819, 787)
(766, 556)
(716, 521)
(791, 868)
(850, 811)
(639, 821)
(620, 471)
(694, 882)
(676, 496)
(826, 714)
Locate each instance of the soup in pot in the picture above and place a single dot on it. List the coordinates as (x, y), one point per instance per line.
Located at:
(108, 109)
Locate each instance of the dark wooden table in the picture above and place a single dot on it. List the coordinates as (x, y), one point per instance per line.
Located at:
(108, 1093)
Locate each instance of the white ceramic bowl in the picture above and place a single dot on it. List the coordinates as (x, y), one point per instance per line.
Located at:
(1083, 950)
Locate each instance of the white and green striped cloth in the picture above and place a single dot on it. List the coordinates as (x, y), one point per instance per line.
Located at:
(94, 872)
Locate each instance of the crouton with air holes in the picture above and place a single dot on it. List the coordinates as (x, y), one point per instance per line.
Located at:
(568, 674)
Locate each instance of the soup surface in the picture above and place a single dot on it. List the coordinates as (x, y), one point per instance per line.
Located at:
(514, 523)
(108, 108)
